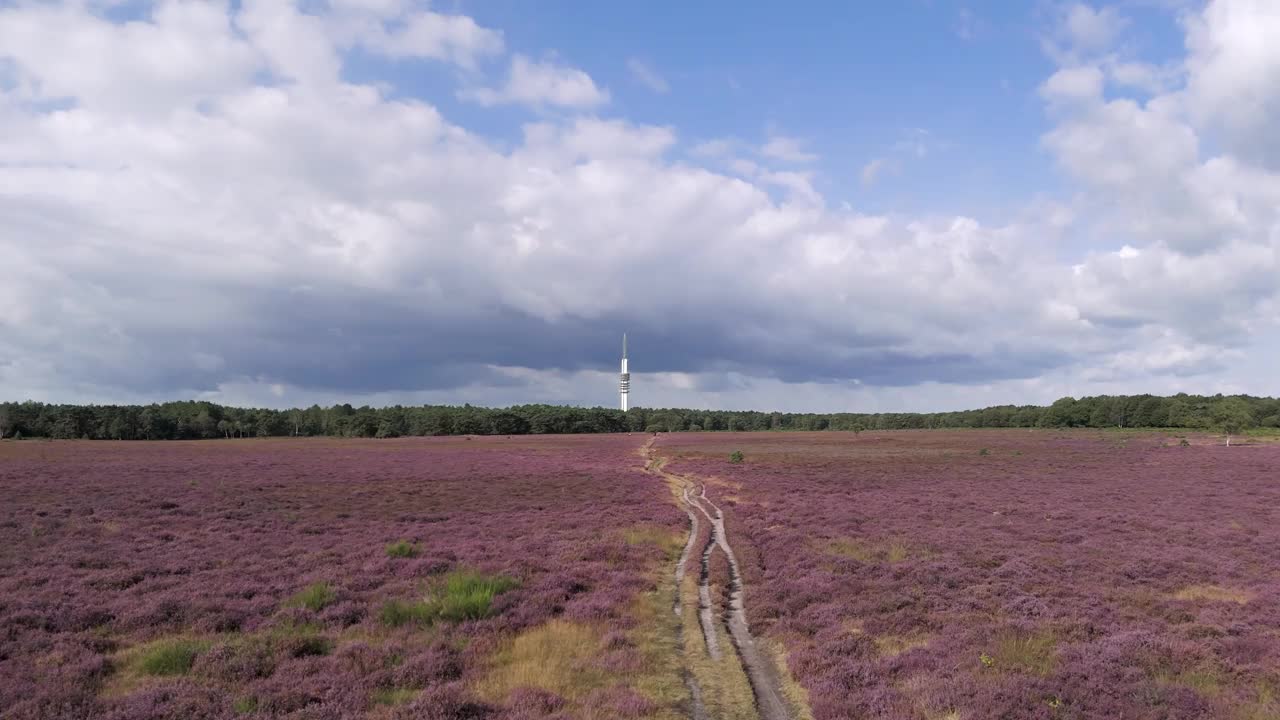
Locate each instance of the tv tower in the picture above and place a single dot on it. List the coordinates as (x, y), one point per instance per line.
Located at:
(624, 377)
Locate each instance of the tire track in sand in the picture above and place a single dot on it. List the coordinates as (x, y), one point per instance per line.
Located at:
(698, 710)
(763, 675)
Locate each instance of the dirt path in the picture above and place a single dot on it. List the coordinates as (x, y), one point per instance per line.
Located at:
(697, 709)
(761, 672)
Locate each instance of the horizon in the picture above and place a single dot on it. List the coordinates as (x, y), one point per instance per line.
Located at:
(643, 408)
(905, 209)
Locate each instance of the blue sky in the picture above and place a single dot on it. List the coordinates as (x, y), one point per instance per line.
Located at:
(896, 206)
(945, 91)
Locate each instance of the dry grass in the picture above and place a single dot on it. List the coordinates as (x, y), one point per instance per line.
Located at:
(1205, 680)
(663, 537)
(1034, 653)
(869, 551)
(1264, 705)
(658, 678)
(1213, 593)
(894, 645)
(794, 691)
(917, 686)
(556, 657)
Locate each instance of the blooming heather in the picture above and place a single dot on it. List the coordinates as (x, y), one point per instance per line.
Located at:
(265, 564)
(1059, 575)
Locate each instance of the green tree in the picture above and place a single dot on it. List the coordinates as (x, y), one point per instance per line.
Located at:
(1232, 416)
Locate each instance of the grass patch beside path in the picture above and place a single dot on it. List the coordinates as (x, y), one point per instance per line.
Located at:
(556, 656)
(663, 537)
(726, 692)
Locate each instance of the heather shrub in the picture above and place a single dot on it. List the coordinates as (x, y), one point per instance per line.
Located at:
(170, 657)
(232, 558)
(402, 549)
(343, 614)
(237, 660)
(315, 597)
(438, 663)
(306, 645)
(444, 702)
(169, 700)
(393, 696)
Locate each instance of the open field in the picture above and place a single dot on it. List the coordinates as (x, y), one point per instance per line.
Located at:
(318, 579)
(917, 575)
(1008, 574)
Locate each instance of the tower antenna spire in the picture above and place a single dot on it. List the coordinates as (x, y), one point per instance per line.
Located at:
(624, 378)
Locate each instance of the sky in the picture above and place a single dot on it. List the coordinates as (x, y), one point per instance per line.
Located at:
(914, 206)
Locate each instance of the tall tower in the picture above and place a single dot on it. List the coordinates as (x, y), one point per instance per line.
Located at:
(624, 377)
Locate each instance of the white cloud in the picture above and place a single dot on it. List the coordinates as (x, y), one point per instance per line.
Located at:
(718, 147)
(257, 229)
(647, 76)
(445, 37)
(1233, 62)
(533, 82)
(872, 171)
(1073, 84)
(1092, 29)
(787, 149)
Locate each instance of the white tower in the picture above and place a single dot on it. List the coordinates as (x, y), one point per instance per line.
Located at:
(624, 378)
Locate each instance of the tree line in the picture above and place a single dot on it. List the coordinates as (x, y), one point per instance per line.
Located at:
(190, 420)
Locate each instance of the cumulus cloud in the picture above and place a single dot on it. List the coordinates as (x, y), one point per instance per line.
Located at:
(1091, 28)
(260, 229)
(1232, 63)
(533, 82)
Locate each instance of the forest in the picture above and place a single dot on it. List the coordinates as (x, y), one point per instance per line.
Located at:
(191, 420)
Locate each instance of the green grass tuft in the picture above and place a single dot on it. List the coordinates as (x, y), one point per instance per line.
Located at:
(315, 598)
(172, 657)
(465, 595)
(393, 696)
(468, 595)
(735, 457)
(245, 705)
(402, 549)
(395, 613)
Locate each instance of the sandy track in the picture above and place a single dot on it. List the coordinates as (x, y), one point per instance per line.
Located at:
(761, 672)
(698, 709)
